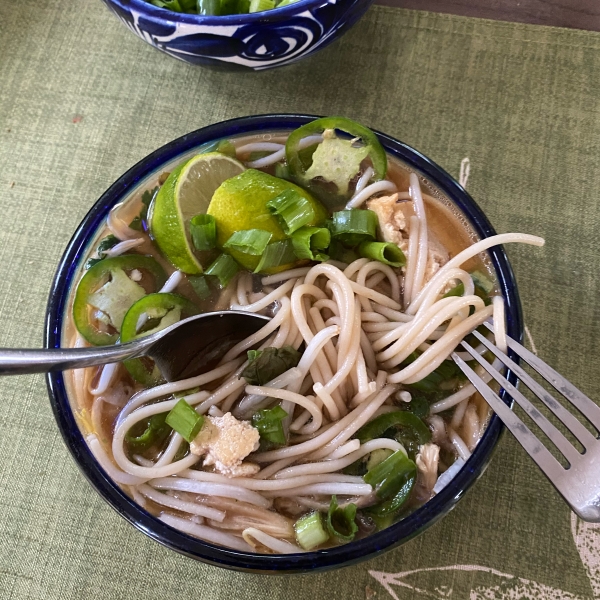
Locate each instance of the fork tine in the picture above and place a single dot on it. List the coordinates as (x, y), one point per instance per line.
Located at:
(585, 405)
(575, 426)
(540, 454)
(557, 438)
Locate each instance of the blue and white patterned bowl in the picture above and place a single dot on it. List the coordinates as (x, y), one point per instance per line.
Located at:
(252, 41)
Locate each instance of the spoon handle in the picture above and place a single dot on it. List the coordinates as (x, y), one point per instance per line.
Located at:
(19, 361)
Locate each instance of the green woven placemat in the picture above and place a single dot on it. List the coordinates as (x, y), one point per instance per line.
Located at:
(82, 99)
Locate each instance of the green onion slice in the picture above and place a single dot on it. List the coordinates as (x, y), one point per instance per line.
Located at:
(309, 241)
(387, 477)
(282, 171)
(269, 423)
(185, 420)
(200, 285)
(224, 268)
(292, 209)
(203, 230)
(353, 226)
(384, 252)
(337, 251)
(276, 255)
(310, 532)
(249, 241)
(341, 521)
(222, 146)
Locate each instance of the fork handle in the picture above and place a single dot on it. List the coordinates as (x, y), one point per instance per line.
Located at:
(22, 361)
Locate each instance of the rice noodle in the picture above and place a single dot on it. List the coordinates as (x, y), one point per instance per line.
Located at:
(360, 197)
(459, 444)
(499, 323)
(212, 489)
(113, 472)
(423, 246)
(261, 304)
(291, 274)
(107, 376)
(181, 505)
(259, 147)
(278, 546)
(470, 252)
(171, 284)
(205, 533)
(123, 247)
(118, 227)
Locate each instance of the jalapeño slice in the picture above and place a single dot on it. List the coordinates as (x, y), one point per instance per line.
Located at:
(160, 311)
(107, 287)
(341, 161)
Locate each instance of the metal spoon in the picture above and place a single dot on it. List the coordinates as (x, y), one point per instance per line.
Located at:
(180, 351)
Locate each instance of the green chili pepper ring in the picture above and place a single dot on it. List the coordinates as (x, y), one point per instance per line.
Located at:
(292, 147)
(93, 280)
(164, 302)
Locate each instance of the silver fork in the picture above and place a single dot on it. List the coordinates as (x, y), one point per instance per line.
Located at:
(579, 482)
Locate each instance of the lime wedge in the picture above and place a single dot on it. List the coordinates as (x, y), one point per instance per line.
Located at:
(187, 192)
(240, 203)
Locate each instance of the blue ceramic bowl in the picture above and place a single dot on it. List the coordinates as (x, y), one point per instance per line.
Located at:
(137, 178)
(253, 41)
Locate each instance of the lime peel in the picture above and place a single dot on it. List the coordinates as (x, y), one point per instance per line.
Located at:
(186, 193)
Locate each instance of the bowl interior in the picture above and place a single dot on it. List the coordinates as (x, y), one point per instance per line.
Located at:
(136, 179)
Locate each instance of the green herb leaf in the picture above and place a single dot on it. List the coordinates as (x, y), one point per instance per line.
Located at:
(110, 241)
(265, 365)
(139, 221)
(418, 406)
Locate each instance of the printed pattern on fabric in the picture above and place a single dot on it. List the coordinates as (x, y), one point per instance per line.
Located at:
(490, 584)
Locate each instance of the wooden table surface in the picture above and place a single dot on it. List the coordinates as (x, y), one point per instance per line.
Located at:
(580, 14)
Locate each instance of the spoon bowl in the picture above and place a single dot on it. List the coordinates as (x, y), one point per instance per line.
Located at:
(182, 350)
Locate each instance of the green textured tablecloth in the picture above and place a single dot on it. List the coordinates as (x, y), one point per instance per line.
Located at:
(82, 99)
